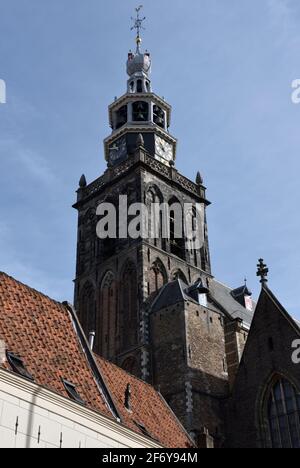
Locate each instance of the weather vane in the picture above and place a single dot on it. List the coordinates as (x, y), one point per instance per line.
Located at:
(138, 24)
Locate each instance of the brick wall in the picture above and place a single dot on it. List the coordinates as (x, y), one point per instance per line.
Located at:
(188, 349)
(267, 355)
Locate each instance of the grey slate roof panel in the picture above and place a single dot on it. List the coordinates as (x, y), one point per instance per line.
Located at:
(222, 295)
(219, 297)
(170, 294)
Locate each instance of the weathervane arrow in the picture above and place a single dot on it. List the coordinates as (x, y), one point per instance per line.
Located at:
(138, 25)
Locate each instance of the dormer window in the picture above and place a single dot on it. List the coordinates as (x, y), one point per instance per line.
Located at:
(243, 296)
(198, 292)
(143, 429)
(140, 111)
(18, 365)
(72, 391)
(202, 300)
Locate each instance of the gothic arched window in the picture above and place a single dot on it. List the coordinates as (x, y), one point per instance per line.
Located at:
(283, 415)
(107, 247)
(129, 310)
(107, 328)
(154, 200)
(87, 308)
(178, 274)
(176, 229)
(157, 277)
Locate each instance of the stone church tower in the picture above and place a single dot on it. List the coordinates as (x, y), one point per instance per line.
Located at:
(149, 300)
(116, 277)
(152, 302)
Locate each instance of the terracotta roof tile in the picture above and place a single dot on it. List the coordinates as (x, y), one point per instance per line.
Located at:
(148, 407)
(41, 331)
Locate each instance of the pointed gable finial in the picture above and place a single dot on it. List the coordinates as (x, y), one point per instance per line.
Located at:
(262, 271)
(140, 141)
(82, 182)
(199, 179)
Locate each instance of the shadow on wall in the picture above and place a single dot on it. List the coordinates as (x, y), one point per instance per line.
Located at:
(30, 424)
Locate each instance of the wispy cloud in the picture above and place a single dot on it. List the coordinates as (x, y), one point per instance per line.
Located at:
(35, 276)
(283, 17)
(14, 149)
(35, 165)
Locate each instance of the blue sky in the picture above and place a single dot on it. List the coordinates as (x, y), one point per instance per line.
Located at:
(226, 66)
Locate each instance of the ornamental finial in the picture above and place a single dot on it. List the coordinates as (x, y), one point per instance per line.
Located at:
(138, 25)
(199, 178)
(262, 271)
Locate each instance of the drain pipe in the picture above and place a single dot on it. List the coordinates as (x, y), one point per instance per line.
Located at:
(92, 335)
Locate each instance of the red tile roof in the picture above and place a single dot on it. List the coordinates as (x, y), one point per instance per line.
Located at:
(41, 331)
(148, 407)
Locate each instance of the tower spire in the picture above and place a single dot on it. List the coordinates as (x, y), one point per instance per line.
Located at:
(138, 25)
(140, 118)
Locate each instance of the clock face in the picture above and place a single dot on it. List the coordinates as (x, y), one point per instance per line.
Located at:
(118, 150)
(163, 149)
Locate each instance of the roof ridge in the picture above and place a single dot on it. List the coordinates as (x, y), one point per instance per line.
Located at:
(281, 307)
(222, 284)
(181, 289)
(158, 296)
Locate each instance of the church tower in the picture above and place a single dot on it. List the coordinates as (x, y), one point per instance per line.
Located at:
(146, 296)
(117, 279)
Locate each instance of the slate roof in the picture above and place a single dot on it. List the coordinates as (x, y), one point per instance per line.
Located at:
(222, 296)
(170, 294)
(241, 292)
(49, 340)
(220, 299)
